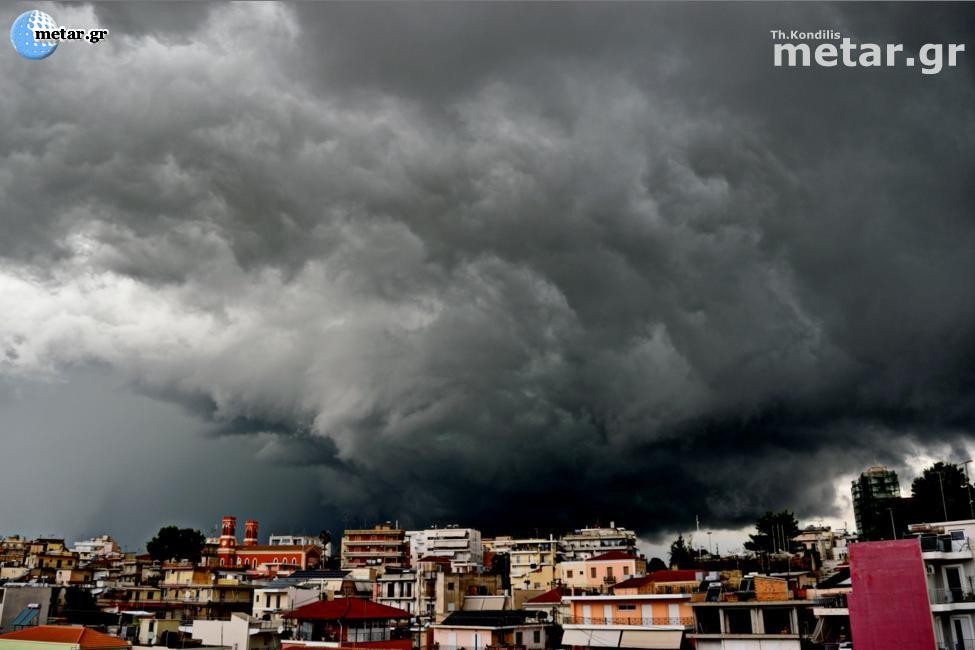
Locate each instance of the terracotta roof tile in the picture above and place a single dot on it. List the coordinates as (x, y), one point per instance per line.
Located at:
(67, 634)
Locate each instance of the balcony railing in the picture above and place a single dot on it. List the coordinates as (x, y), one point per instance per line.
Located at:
(948, 596)
(628, 620)
(833, 602)
(964, 644)
(944, 544)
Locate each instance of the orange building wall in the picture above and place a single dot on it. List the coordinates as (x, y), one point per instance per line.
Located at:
(644, 609)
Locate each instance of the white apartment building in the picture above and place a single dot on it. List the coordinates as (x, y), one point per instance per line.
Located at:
(273, 601)
(461, 545)
(950, 570)
(299, 540)
(97, 547)
(398, 588)
(585, 543)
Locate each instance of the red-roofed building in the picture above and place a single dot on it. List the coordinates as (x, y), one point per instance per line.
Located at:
(601, 572)
(72, 636)
(682, 581)
(612, 555)
(350, 621)
(265, 559)
(549, 602)
(547, 598)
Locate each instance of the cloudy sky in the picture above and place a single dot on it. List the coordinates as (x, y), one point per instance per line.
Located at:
(514, 266)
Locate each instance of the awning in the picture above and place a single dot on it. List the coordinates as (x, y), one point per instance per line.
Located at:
(592, 637)
(665, 639)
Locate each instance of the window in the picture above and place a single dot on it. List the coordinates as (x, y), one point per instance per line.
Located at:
(738, 620)
(778, 620)
(518, 638)
(450, 586)
(592, 572)
(537, 636)
(609, 572)
(626, 608)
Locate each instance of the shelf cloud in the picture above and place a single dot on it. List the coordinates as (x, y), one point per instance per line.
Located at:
(505, 265)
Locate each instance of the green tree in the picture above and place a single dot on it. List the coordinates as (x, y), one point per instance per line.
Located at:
(773, 533)
(681, 555)
(656, 564)
(941, 480)
(175, 543)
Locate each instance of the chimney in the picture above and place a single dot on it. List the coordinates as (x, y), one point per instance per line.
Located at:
(250, 533)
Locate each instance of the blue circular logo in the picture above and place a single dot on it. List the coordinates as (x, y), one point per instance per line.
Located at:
(22, 35)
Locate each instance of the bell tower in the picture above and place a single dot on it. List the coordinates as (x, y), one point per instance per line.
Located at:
(228, 541)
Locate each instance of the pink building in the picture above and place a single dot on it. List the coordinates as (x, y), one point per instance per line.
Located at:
(601, 572)
(889, 605)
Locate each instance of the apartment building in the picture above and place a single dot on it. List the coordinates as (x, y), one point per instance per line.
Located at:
(397, 587)
(491, 629)
(195, 592)
(381, 546)
(103, 546)
(627, 621)
(586, 543)
(462, 546)
(601, 572)
(533, 561)
(949, 574)
(273, 600)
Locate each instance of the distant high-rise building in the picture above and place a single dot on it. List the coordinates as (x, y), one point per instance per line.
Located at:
(874, 491)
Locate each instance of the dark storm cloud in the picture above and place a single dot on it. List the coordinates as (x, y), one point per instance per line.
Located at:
(507, 263)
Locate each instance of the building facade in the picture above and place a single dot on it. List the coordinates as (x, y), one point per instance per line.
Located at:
(601, 572)
(876, 494)
(585, 543)
(627, 621)
(381, 546)
(462, 546)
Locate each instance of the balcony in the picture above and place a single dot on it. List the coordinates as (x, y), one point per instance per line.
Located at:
(944, 547)
(963, 644)
(831, 606)
(633, 621)
(948, 600)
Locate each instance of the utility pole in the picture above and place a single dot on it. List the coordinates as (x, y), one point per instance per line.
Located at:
(893, 528)
(944, 506)
(968, 485)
